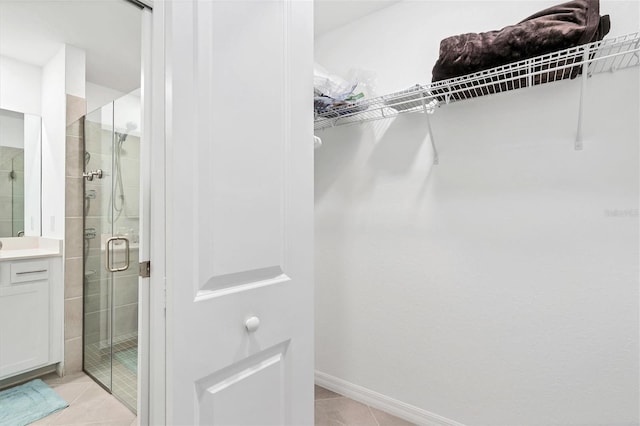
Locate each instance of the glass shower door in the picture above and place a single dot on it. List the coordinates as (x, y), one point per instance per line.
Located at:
(98, 283)
(111, 257)
(124, 210)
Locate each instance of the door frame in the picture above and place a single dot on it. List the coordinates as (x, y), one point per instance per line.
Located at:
(144, 285)
(157, 105)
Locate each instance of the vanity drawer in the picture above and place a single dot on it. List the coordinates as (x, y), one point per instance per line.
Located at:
(34, 270)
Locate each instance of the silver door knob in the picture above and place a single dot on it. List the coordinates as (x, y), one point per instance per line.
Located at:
(252, 324)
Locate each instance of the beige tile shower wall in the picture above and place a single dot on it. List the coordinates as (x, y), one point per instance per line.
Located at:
(73, 283)
(97, 316)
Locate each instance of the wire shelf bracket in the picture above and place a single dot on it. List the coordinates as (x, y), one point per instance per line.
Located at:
(583, 89)
(433, 143)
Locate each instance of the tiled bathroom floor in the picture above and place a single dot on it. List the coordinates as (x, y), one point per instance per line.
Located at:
(120, 372)
(89, 404)
(333, 409)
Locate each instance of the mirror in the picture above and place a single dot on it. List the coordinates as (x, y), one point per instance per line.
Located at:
(20, 172)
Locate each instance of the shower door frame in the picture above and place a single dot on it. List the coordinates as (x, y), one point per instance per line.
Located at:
(116, 280)
(150, 298)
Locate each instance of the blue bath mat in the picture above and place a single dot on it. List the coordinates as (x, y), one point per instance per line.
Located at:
(27, 403)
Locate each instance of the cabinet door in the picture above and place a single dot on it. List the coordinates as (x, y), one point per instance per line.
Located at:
(24, 327)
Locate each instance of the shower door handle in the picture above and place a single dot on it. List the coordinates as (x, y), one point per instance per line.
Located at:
(107, 249)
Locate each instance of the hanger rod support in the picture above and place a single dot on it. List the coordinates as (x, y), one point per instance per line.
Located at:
(436, 160)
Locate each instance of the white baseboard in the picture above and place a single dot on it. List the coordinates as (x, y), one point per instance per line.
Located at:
(392, 406)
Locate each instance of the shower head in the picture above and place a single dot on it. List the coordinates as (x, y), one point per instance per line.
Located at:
(121, 137)
(130, 126)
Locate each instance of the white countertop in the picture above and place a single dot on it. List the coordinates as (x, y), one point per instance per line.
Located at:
(29, 247)
(27, 253)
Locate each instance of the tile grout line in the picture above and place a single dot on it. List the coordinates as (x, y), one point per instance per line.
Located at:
(369, 408)
(375, 419)
(86, 388)
(57, 414)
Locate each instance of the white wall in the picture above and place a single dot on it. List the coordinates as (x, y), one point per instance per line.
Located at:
(98, 96)
(62, 75)
(501, 286)
(20, 86)
(53, 146)
(12, 129)
(75, 70)
(32, 174)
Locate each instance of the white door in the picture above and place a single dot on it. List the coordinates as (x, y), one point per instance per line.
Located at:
(239, 212)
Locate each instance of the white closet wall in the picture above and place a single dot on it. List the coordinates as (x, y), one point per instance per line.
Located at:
(501, 286)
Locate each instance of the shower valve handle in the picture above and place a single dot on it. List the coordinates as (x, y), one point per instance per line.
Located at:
(93, 173)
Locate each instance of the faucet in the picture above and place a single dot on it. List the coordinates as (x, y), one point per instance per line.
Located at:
(20, 233)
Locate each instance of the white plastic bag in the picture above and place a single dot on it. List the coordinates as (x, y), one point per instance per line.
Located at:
(365, 81)
(331, 85)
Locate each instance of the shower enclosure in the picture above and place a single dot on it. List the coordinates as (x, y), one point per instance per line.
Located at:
(111, 230)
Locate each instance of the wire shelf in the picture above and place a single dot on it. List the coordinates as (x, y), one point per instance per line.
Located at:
(601, 56)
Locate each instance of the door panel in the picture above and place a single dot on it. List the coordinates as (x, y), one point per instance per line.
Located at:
(219, 393)
(242, 176)
(239, 212)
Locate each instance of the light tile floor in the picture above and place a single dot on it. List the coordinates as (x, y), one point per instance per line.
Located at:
(112, 372)
(89, 404)
(333, 409)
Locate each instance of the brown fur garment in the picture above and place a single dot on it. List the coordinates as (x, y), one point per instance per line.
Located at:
(559, 27)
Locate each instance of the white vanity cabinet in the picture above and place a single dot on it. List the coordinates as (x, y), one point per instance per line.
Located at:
(31, 319)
